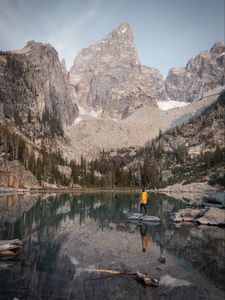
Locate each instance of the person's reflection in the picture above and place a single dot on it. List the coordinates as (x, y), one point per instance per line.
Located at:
(144, 237)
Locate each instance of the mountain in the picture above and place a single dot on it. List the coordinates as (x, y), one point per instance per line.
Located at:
(191, 152)
(108, 77)
(34, 91)
(90, 133)
(118, 97)
(202, 73)
(108, 101)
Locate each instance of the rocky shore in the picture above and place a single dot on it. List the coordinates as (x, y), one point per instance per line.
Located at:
(205, 216)
(195, 189)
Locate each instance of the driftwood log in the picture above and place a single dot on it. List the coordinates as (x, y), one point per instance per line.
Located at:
(9, 248)
(138, 276)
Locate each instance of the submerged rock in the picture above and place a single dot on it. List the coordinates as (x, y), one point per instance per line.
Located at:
(144, 218)
(178, 289)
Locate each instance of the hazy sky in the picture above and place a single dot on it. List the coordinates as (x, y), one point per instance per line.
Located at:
(167, 32)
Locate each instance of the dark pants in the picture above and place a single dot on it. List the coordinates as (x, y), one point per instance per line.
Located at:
(143, 229)
(145, 208)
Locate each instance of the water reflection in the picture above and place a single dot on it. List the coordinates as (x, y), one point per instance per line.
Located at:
(144, 236)
(63, 234)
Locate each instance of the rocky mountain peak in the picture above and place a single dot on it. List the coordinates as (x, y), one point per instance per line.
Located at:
(57, 94)
(123, 31)
(44, 55)
(218, 48)
(201, 74)
(37, 49)
(116, 49)
(108, 76)
(122, 35)
(35, 90)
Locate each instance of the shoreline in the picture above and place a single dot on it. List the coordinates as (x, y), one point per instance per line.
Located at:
(66, 190)
(195, 189)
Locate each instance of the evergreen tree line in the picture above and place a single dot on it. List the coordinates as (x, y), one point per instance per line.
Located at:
(42, 163)
(157, 156)
(122, 170)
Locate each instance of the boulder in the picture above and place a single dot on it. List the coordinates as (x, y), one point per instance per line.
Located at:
(188, 215)
(65, 171)
(14, 175)
(214, 216)
(166, 174)
(215, 198)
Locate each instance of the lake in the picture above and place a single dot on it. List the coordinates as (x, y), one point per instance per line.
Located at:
(65, 235)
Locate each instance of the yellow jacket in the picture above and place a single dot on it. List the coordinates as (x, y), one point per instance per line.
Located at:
(144, 198)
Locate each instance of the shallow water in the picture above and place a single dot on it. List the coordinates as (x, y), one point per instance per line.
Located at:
(64, 235)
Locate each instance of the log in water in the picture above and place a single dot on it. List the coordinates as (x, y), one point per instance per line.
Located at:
(9, 248)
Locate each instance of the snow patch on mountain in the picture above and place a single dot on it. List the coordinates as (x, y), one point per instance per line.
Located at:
(83, 113)
(166, 105)
(124, 30)
(77, 120)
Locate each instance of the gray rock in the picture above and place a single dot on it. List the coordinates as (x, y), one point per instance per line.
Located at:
(65, 171)
(214, 216)
(202, 73)
(144, 218)
(188, 215)
(166, 174)
(108, 76)
(215, 198)
(14, 175)
(34, 88)
(178, 289)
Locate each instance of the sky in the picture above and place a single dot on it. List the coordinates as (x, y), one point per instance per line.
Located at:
(167, 33)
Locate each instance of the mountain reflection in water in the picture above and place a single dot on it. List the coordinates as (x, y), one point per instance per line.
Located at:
(65, 234)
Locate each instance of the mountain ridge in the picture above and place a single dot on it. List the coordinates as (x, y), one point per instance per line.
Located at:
(107, 101)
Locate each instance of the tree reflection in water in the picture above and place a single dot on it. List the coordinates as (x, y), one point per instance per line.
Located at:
(43, 272)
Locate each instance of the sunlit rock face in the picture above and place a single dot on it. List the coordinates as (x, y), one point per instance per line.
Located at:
(14, 175)
(51, 77)
(34, 83)
(202, 73)
(108, 76)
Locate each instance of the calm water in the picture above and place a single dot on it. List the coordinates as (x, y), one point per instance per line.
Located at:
(64, 235)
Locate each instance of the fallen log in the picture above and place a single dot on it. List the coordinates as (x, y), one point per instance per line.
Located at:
(138, 276)
(10, 248)
(8, 253)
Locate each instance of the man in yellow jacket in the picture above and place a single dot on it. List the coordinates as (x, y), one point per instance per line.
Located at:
(144, 200)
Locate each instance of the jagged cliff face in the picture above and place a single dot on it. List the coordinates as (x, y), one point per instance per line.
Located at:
(201, 74)
(56, 92)
(108, 76)
(35, 90)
